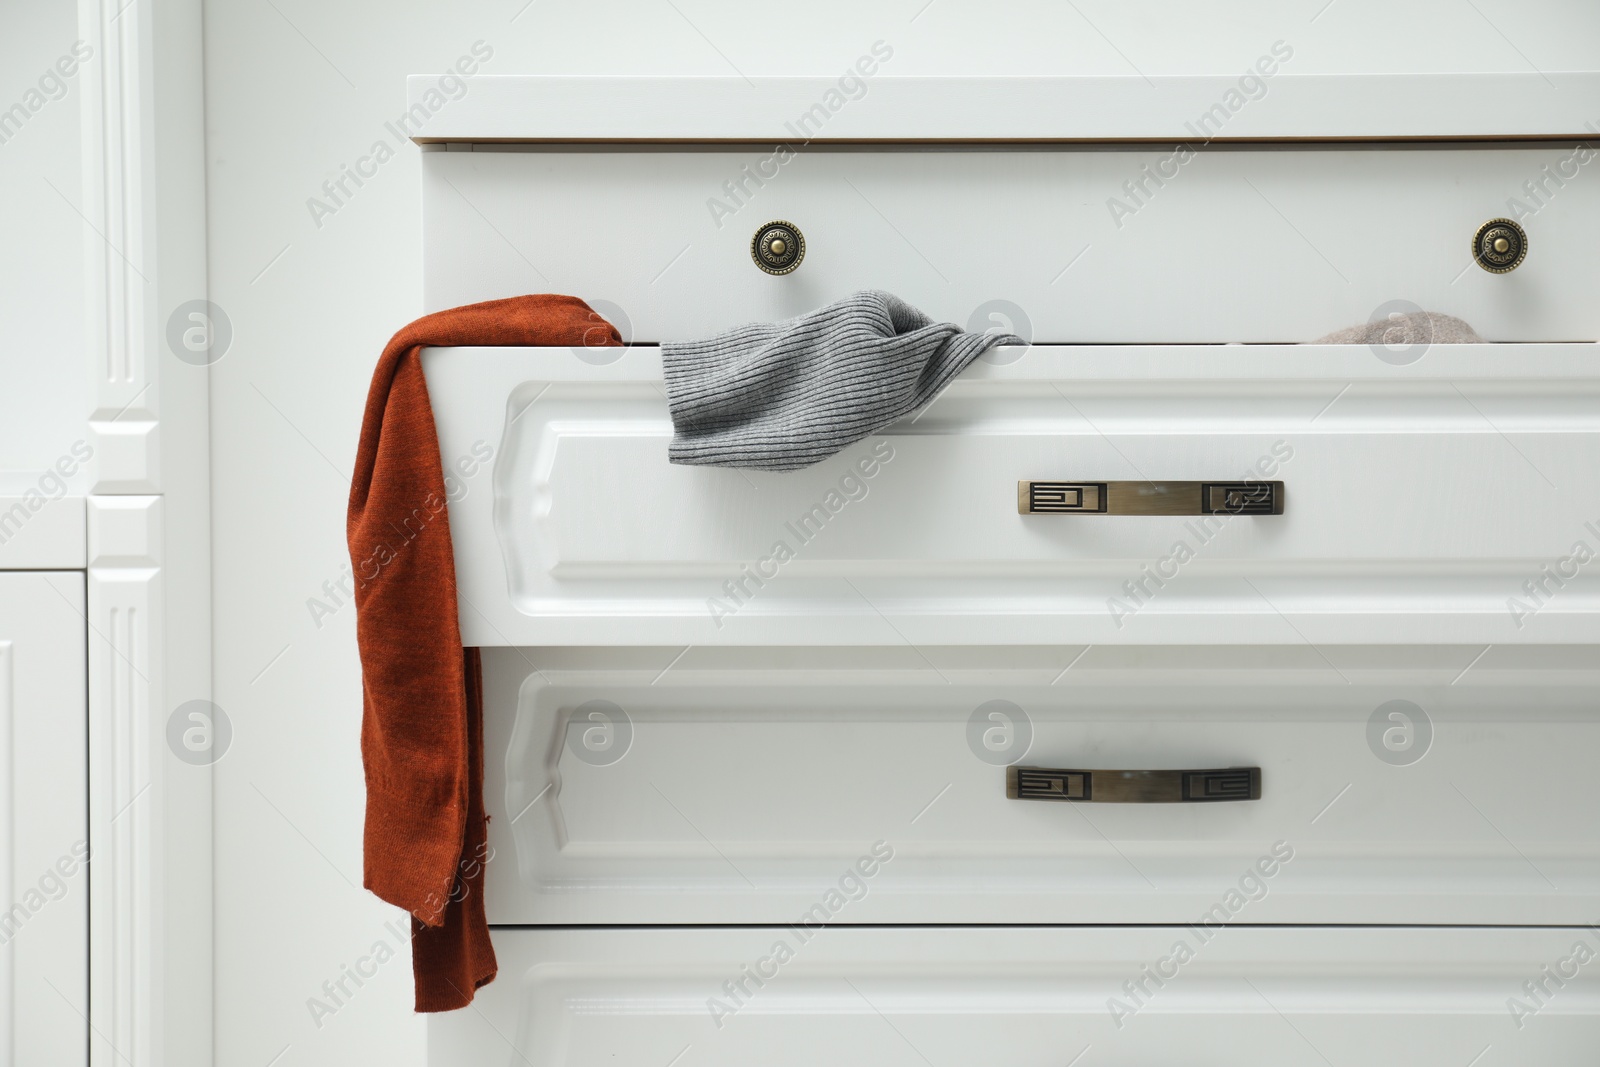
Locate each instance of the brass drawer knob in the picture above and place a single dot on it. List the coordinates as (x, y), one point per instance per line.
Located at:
(778, 247)
(1500, 246)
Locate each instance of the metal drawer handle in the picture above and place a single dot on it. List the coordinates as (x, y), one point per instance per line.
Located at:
(1134, 787)
(1150, 498)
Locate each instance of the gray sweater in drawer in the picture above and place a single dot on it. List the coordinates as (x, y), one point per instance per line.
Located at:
(785, 395)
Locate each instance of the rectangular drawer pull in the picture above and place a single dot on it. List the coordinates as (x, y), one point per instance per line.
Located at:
(1134, 787)
(1150, 498)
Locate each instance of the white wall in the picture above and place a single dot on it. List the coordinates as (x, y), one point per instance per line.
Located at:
(297, 88)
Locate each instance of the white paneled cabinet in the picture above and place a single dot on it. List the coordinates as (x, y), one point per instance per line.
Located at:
(104, 538)
(44, 850)
(810, 767)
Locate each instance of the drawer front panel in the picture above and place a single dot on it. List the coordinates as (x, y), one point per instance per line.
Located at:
(1093, 245)
(742, 785)
(1440, 502)
(914, 997)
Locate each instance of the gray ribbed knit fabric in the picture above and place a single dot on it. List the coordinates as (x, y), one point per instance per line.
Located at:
(785, 395)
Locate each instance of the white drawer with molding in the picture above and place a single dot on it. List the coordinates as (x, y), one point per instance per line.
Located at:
(1044, 785)
(795, 996)
(1448, 500)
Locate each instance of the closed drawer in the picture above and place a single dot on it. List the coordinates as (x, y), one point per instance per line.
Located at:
(1451, 499)
(914, 997)
(1401, 785)
(1100, 244)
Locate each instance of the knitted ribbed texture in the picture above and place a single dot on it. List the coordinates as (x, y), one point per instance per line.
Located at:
(1417, 328)
(785, 395)
(422, 724)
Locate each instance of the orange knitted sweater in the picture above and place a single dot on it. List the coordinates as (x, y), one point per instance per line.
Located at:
(426, 832)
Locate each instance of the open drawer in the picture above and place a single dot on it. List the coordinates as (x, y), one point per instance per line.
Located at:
(1116, 997)
(1450, 499)
(744, 785)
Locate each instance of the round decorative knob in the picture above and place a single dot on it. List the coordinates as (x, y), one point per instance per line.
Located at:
(1500, 246)
(778, 247)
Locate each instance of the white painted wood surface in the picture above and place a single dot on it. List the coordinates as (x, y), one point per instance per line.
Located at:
(912, 997)
(39, 531)
(42, 278)
(44, 831)
(681, 732)
(1268, 101)
(149, 534)
(713, 786)
(1086, 245)
(1424, 503)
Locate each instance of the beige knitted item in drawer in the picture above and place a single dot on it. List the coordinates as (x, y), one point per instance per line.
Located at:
(1418, 327)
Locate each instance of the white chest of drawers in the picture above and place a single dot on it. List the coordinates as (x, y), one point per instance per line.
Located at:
(753, 804)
